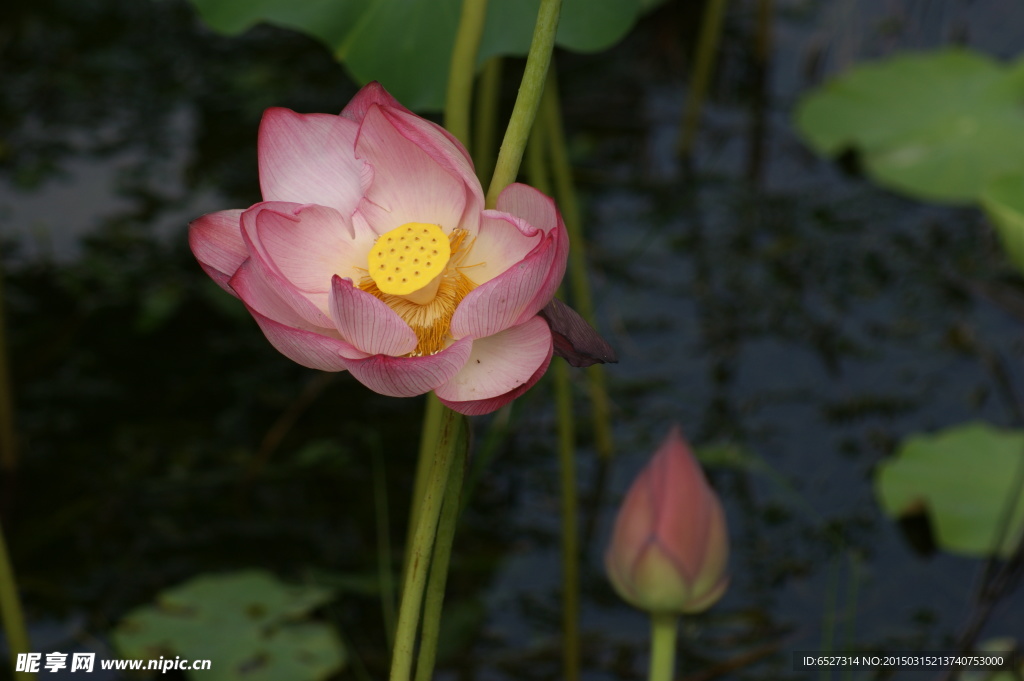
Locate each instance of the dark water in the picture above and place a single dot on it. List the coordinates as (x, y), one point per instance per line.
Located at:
(761, 298)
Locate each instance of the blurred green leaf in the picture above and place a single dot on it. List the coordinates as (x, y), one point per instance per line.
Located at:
(995, 646)
(936, 126)
(302, 651)
(967, 478)
(243, 622)
(584, 25)
(406, 44)
(731, 456)
(1003, 201)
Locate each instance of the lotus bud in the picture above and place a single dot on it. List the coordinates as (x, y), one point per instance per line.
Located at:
(670, 545)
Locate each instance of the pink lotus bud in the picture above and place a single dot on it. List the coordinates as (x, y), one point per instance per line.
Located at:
(670, 545)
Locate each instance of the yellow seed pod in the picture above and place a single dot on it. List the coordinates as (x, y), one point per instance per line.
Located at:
(409, 257)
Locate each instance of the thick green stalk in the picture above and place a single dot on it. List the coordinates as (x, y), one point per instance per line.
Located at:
(707, 48)
(578, 281)
(663, 646)
(528, 100)
(432, 415)
(538, 172)
(430, 431)
(485, 119)
(439, 565)
(10, 611)
(459, 96)
(452, 436)
(536, 161)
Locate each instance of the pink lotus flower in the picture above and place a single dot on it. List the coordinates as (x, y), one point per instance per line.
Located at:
(670, 545)
(372, 253)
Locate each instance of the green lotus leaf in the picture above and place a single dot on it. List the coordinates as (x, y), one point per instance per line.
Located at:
(307, 650)
(1003, 201)
(406, 44)
(937, 126)
(584, 25)
(244, 622)
(967, 479)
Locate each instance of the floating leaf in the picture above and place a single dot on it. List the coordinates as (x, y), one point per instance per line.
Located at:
(243, 622)
(407, 44)
(968, 480)
(301, 651)
(1003, 201)
(936, 125)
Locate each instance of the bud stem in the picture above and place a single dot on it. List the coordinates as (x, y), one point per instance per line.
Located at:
(458, 100)
(452, 437)
(663, 645)
(527, 101)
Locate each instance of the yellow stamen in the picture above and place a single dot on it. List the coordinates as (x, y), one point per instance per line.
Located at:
(408, 258)
(428, 309)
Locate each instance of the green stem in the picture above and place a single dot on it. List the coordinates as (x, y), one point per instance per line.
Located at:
(763, 37)
(570, 540)
(10, 611)
(828, 626)
(567, 200)
(602, 415)
(663, 645)
(485, 119)
(528, 100)
(452, 437)
(579, 282)
(536, 161)
(439, 566)
(487, 448)
(537, 170)
(707, 48)
(8, 451)
(385, 565)
(463, 66)
(432, 415)
(851, 608)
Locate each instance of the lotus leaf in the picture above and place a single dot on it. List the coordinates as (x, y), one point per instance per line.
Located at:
(244, 622)
(406, 44)
(1003, 201)
(936, 126)
(968, 480)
